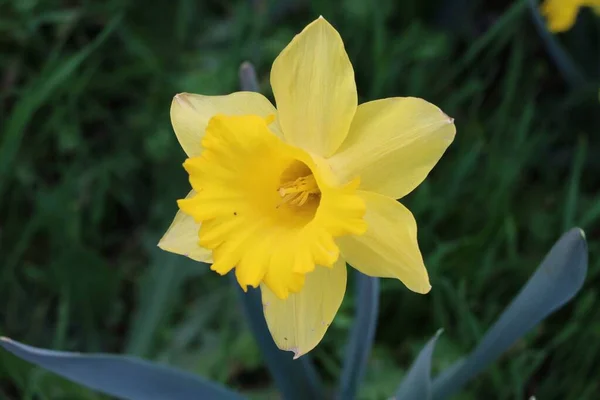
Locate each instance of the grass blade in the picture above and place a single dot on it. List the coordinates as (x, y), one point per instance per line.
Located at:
(159, 290)
(574, 185)
(35, 96)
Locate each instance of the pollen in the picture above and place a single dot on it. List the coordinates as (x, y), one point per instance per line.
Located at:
(267, 209)
(299, 191)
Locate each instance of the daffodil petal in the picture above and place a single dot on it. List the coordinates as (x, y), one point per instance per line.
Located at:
(314, 88)
(190, 114)
(562, 14)
(389, 248)
(182, 237)
(299, 322)
(393, 144)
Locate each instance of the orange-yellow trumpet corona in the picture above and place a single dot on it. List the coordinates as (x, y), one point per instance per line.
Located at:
(286, 196)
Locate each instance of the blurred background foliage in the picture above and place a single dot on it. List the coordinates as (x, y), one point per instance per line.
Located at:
(90, 170)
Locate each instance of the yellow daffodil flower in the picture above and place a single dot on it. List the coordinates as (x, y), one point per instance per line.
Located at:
(287, 196)
(561, 14)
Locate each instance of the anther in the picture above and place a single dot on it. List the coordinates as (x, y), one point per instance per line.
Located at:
(299, 191)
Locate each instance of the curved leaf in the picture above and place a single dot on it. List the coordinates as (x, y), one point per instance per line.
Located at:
(556, 281)
(124, 377)
(361, 338)
(417, 383)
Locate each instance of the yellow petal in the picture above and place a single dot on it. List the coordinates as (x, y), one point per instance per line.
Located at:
(190, 114)
(299, 322)
(182, 237)
(561, 14)
(389, 248)
(313, 84)
(393, 144)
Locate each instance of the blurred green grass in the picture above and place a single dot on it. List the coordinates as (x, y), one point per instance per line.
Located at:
(90, 170)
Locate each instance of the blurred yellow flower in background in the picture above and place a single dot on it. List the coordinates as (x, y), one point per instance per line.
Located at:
(287, 196)
(561, 14)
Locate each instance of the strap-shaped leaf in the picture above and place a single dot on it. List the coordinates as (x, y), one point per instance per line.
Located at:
(361, 338)
(124, 377)
(559, 277)
(556, 281)
(417, 382)
(562, 59)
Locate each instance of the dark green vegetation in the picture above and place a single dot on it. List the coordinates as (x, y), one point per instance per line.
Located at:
(90, 170)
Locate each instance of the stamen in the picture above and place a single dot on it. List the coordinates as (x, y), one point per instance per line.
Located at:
(299, 191)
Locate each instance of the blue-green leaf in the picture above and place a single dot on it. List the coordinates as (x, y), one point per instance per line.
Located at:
(417, 383)
(296, 379)
(248, 79)
(361, 338)
(556, 281)
(124, 377)
(562, 59)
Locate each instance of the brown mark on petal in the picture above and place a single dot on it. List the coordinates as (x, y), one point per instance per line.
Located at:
(183, 101)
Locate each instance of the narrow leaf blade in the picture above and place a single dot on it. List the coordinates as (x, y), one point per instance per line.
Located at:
(556, 281)
(417, 383)
(35, 95)
(562, 59)
(361, 338)
(248, 79)
(124, 377)
(158, 291)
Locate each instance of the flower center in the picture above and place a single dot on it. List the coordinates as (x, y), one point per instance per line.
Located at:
(298, 187)
(266, 208)
(299, 191)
